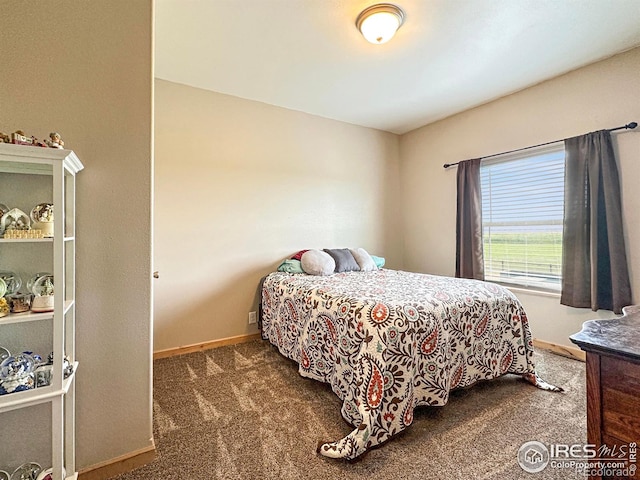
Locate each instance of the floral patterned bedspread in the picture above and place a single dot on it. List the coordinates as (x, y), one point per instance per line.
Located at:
(388, 341)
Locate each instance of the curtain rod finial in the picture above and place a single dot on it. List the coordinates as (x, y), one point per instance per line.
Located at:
(632, 125)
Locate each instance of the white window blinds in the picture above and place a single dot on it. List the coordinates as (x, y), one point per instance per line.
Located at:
(522, 211)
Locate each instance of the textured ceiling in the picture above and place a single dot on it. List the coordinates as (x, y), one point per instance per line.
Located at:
(450, 55)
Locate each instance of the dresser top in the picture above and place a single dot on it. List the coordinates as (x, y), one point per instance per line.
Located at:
(617, 336)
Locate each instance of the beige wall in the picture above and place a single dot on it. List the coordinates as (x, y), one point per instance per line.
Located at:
(240, 185)
(85, 69)
(603, 95)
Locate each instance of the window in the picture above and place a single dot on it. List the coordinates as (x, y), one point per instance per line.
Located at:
(522, 211)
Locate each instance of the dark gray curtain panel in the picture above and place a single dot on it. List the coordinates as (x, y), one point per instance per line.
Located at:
(469, 255)
(594, 261)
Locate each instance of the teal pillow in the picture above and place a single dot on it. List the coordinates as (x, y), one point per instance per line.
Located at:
(291, 266)
(379, 261)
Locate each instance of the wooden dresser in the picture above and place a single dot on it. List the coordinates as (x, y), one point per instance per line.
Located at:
(613, 381)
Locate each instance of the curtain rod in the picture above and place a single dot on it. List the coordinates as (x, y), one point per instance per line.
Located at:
(629, 126)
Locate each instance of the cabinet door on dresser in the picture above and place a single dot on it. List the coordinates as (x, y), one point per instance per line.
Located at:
(620, 381)
(620, 403)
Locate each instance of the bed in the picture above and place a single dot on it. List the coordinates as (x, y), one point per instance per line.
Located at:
(388, 341)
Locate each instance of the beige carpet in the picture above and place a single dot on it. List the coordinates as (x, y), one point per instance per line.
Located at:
(243, 412)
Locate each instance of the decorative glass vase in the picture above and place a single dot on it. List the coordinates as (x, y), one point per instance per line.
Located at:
(12, 281)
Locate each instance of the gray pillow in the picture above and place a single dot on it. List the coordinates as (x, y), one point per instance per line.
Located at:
(344, 259)
(316, 262)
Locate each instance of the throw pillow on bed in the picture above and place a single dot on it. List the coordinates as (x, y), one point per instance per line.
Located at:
(364, 259)
(298, 256)
(316, 262)
(378, 260)
(344, 259)
(291, 266)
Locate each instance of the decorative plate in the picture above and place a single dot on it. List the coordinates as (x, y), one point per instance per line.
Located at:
(3, 287)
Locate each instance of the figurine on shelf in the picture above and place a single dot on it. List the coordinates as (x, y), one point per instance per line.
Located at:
(19, 138)
(43, 375)
(47, 287)
(43, 294)
(42, 216)
(4, 138)
(55, 140)
(19, 302)
(39, 143)
(4, 306)
(67, 366)
(14, 219)
(16, 373)
(43, 212)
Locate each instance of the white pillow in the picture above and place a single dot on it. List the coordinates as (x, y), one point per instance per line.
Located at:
(364, 259)
(317, 262)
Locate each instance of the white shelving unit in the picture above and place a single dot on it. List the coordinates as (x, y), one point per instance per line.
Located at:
(52, 173)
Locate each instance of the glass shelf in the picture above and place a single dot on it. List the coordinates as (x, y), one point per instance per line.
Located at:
(26, 240)
(32, 316)
(34, 396)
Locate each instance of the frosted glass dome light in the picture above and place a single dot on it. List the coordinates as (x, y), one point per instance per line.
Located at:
(379, 23)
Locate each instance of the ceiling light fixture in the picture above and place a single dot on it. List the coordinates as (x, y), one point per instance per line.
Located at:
(379, 23)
